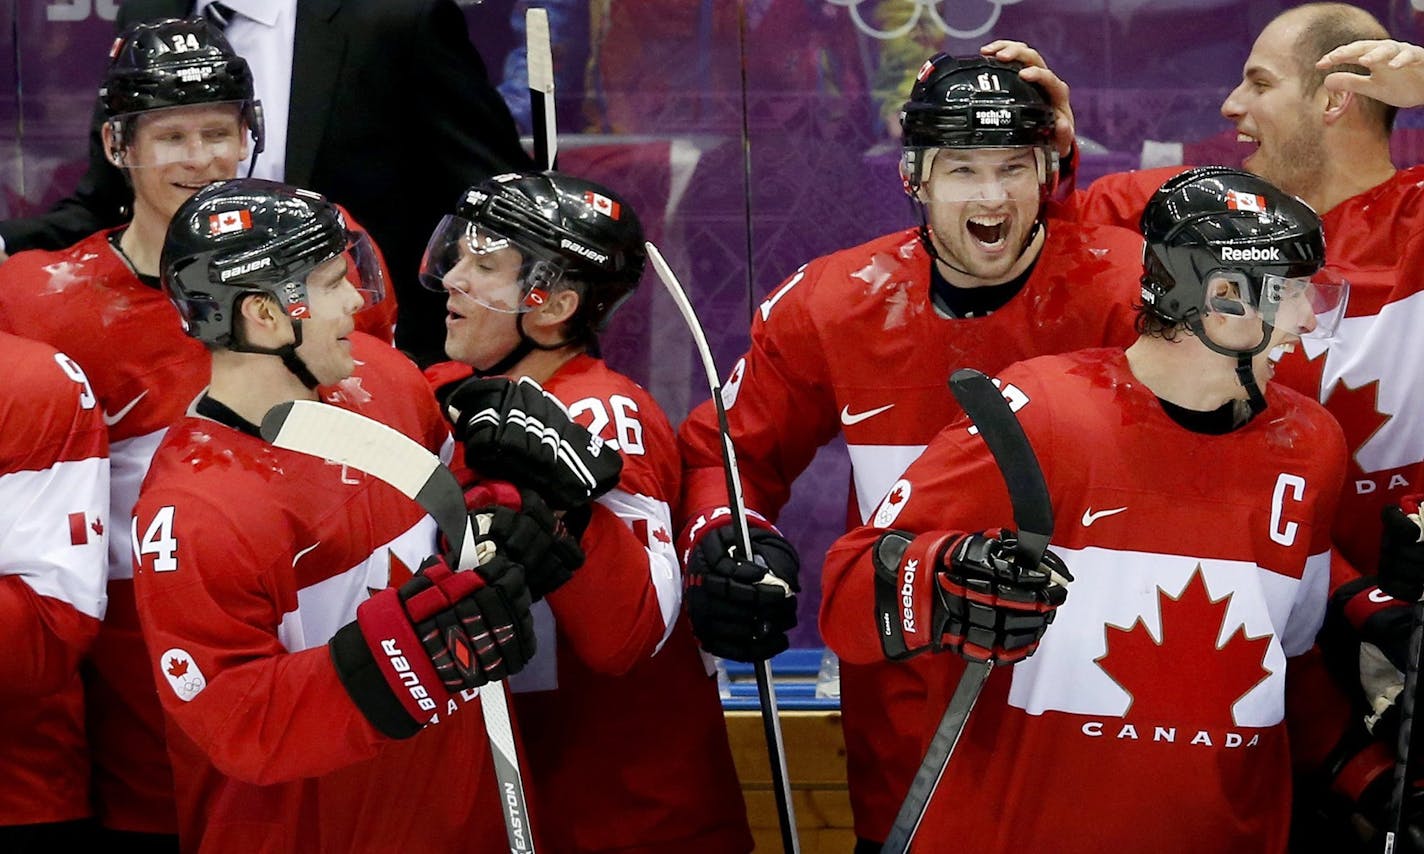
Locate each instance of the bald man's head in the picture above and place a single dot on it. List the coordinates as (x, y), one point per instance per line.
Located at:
(1322, 27)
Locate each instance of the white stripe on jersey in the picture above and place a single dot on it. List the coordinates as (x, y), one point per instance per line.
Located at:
(875, 468)
(35, 539)
(331, 603)
(1120, 587)
(663, 569)
(128, 463)
(542, 672)
(1386, 345)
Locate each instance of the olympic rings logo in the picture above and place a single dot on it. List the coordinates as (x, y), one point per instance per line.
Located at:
(918, 8)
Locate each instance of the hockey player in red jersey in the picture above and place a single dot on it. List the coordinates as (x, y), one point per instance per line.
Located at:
(180, 114)
(626, 744)
(1152, 715)
(1318, 104)
(1318, 96)
(54, 523)
(274, 588)
(861, 342)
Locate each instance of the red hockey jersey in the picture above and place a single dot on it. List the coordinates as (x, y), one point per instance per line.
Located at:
(248, 559)
(1369, 376)
(54, 524)
(851, 344)
(88, 302)
(623, 733)
(1152, 716)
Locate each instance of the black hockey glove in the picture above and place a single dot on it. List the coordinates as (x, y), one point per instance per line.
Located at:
(411, 649)
(1372, 617)
(1401, 563)
(520, 433)
(740, 609)
(1366, 640)
(963, 593)
(529, 533)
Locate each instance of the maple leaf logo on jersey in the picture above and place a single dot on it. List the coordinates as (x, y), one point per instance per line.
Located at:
(1357, 410)
(1149, 670)
(892, 505)
(349, 390)
(98, 527)
(662, 536)
(182, 673)
(397, 573)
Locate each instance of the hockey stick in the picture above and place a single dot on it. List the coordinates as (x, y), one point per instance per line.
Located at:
(540, 58)
(766, 692)
(345, 437)
(1405, 737)
(1033, 516)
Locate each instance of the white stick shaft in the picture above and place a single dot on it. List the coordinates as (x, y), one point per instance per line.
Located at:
(390, 456)
(766, 689)
(539, 55)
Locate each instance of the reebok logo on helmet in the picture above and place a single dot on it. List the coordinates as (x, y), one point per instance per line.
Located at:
(1251, 253)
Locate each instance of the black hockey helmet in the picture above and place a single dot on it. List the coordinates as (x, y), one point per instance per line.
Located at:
(1223, 241)
(175, 63)
(973, 102)
(245, 236)
(565, 228)
(1215, 221)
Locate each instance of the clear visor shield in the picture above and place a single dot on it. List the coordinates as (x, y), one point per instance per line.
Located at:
(980, 174)
(365, 270)
(195, 135)
(358, 265)
(1308, 307)
(470, 261)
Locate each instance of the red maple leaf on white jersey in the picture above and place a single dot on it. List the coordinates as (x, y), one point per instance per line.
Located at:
(896, 495)
(1357, 410)
(1191, 623)
(177, 668)
(397, 573)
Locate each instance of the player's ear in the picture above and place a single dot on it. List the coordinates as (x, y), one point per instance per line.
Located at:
(546, 323)
(113, 150)
(263, 321)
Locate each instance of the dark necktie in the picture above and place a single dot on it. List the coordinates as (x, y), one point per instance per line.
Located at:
(219, 15)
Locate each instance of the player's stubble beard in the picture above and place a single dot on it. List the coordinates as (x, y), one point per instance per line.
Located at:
(1298, 163)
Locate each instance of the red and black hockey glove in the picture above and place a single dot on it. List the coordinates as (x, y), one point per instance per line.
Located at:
(529, 533)
(740, 609)
(410, 649)
(518, 432)
(1401, 563)
(1344, 804)
(963, 593)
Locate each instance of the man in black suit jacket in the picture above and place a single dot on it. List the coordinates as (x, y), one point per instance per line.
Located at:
(392, 115)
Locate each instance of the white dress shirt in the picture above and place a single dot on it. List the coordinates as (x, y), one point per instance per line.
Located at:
(263, 32)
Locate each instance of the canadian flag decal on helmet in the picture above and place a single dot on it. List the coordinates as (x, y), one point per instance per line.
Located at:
(1239, 201)
(230, 221)
(602, 204)
(925, 70)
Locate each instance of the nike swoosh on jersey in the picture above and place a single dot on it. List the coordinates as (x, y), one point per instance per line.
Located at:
(304, 551)
(848, 418)
(1089, 517)
(115, 418)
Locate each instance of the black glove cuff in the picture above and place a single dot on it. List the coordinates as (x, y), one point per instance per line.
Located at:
(362, 679)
